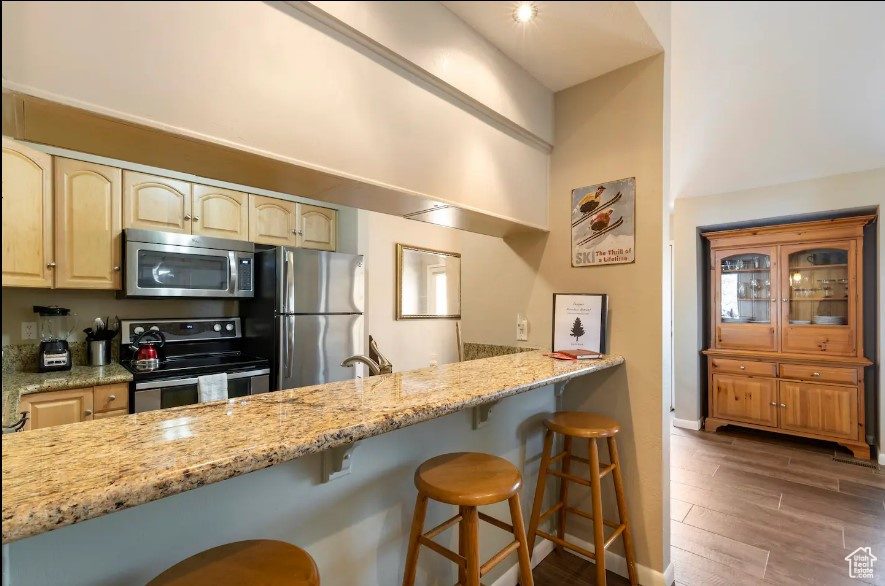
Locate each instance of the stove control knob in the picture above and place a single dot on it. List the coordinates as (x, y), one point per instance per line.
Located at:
(229, 327)
(138, 331)
(155, 328)
(217, 327)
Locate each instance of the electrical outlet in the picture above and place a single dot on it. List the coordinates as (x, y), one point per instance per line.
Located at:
(29, 330)
(434, 359)
(522, 328)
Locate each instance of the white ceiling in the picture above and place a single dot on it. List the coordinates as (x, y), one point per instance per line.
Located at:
(569, 42)
(764, 93)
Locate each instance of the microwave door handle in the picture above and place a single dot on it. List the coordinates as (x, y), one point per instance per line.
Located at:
(232, 272)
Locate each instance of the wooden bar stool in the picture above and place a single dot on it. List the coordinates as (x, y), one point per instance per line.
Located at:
(468, 480)
(244, 563)
(571, 425)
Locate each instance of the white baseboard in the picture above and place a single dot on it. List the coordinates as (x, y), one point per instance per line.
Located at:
(511, 576)
(881, 458)
(618, 564)
(687, 423)
(670, 575)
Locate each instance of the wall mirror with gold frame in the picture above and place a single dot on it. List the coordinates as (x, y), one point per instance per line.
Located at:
(428, 283)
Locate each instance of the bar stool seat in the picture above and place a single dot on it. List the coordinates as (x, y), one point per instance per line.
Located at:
(244, 563)
(578, 424)
(590, 427)
(468, 480)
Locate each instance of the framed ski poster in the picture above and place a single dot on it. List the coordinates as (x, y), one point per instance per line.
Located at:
(602, 223)
(579, 321)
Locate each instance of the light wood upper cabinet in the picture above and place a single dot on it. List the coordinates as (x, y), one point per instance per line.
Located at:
(88, 225)
(272, 221)
(745, 293)
(27, 217)
(819, 409)
(317, 227)
(57, 407)
(221, 213)
(156, 203)
(745, 398)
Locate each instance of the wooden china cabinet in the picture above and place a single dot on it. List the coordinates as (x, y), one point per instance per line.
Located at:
(787, 323)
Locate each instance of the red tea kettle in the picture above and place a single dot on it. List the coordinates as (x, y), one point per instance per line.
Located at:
(145, 347)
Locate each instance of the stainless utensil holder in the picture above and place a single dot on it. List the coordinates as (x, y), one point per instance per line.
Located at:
(99, 352)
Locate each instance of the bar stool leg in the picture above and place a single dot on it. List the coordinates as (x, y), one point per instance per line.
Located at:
(417, 528)
(563, 485)
(525, 556)
(622, 512)
(598, 535)
(463, 542)
(539, 490)
(471, 520)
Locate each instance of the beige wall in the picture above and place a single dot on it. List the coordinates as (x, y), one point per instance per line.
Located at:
(853, 190)
(606, 129)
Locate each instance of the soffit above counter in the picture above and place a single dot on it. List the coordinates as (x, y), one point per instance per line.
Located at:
(50, 123)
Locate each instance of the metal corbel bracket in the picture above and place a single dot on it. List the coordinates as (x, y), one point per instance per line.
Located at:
(338, 461)
(482, 413)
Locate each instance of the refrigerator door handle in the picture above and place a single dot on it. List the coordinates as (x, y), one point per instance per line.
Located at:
(288, 281)
(287, 335)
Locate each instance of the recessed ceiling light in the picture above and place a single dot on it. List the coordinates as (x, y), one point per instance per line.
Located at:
(525, 12)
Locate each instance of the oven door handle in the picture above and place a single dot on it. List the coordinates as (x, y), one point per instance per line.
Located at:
(182, 382)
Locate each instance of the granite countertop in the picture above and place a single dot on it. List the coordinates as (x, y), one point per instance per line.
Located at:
(63, 475)
(16, 384)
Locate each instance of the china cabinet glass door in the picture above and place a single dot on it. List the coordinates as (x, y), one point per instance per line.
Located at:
(746, 295)
(819, 298)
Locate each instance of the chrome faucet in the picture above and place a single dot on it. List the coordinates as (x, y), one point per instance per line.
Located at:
(384, 365)
(374, 368)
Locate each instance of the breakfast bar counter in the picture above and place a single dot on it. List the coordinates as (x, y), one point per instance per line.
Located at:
(63, 475)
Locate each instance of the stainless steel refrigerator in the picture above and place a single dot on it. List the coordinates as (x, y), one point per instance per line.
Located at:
(307, 314)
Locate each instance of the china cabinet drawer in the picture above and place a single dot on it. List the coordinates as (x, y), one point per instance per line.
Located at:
(824, 374)
(111, 397)
(746, 367)
(835, 340)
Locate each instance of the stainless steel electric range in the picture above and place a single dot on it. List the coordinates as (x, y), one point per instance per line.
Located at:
(192, 348)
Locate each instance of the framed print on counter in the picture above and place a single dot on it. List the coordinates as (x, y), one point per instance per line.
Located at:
(579, 321)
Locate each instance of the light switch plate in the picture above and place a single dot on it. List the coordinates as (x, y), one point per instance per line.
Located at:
(29, 330)
(522, 328)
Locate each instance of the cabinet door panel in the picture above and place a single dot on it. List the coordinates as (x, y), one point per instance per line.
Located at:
(271, 220)
(317, 227)
(819, 409)
(88, 225)
(744, 293)
(819, 301)
(27, 216)
(221, 213)
(57, 407)
(156, 203)
(745, 398)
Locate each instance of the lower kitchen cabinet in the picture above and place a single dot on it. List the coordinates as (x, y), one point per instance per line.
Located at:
(745, 398)
(819, 409)
(75, 405)
(57, 407)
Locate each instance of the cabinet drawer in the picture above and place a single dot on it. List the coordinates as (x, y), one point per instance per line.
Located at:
(827, 374)
(111, 397)
(746, 367)
(106, 414)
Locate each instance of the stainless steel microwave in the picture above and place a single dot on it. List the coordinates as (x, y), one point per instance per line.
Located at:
(164, 264)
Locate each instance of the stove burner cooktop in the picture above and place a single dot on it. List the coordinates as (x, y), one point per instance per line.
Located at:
(195, 365)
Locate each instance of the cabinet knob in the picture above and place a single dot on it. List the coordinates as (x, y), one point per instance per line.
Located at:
(774, 403)
(196, 218)
(187, 217)
(50, 265)
(815, 374)
(297, 232)
(742, 367)
(784, 299)
(783, 405)
(88, 412)
(117, 269)
(112, 397)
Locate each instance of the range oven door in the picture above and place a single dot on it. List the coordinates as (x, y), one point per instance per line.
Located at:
(163, 394)
(168, 270)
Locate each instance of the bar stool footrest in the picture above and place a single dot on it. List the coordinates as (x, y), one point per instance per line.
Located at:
(498, 558)
(563, 543)
(547, 514)
(496, 522)
(587, 515)
(443, 526)
(443, 551)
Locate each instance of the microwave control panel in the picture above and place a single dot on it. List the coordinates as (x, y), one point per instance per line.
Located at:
(244, 273)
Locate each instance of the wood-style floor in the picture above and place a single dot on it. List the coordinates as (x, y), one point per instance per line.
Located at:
(752, 508)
